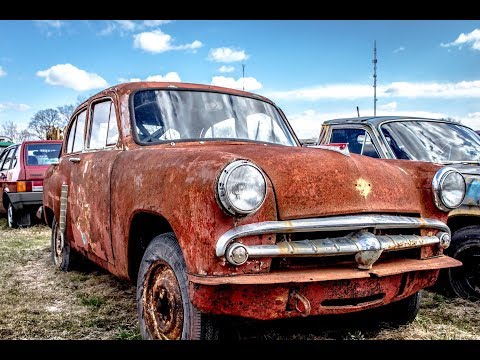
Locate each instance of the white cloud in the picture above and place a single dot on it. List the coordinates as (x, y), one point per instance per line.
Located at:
(154, 23)
(389, 106)
(168, 77)
(70, 76)
(157, 41)
(226, 69)
(2, 72)
(461, 89)
(227, 55)
(127, 25)
(56, 24)
(249, 83)
(399, 49)
(14, 106)
(471, 120)
(472, 38)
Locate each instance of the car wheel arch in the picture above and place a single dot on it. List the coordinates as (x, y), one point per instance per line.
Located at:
(144, 227)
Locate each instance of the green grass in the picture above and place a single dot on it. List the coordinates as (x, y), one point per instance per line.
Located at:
(40, 302)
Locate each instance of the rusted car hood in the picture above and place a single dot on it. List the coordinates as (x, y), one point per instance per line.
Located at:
(316, 182)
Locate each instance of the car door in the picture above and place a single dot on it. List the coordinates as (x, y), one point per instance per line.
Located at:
(89, 166)
(3, 172)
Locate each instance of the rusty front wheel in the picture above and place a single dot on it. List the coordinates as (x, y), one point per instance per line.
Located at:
(164, 308)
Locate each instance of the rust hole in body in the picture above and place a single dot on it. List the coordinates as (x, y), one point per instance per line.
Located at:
(162, 302)
(353, 301)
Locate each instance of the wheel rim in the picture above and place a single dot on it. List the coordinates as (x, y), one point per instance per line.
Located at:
(162, 302)
(466, 279)
(58, 245)
(10, 215)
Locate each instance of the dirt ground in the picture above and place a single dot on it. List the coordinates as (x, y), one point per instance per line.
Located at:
(41, 302)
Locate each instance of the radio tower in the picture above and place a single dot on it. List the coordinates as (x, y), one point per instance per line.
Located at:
(243, 77)
(374, 61)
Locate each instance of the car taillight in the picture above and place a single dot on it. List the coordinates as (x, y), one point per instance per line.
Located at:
(24, 186)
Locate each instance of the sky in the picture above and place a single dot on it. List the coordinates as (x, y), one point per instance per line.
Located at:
(313, 70)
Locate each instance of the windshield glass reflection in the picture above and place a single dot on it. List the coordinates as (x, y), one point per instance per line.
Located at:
(432, 141)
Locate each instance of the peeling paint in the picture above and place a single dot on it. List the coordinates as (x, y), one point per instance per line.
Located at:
(363, 187)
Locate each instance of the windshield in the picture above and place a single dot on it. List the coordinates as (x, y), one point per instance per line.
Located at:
(42, 154)
(432, 141)
(165, 115)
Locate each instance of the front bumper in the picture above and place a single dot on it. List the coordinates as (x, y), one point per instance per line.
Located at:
(334, 290)
(19, 200)
(361, 242)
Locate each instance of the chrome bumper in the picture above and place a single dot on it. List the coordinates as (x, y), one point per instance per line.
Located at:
(366, 246)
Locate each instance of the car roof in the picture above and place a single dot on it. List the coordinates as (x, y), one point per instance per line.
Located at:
(375, 120)
(129, 87)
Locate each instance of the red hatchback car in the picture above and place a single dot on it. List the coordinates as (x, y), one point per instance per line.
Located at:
(22, 168)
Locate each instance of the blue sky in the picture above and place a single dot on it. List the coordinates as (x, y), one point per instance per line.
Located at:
(313, 69)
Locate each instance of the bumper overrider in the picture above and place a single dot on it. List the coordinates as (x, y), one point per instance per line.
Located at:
(332, 289)
(361, 242)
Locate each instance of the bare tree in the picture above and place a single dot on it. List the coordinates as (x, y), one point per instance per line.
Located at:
(10, 130)
(25, 135)
(65, 112)
(43, 121)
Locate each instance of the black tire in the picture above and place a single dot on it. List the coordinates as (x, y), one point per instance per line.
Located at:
(12, 216)
(395, 314)
(162, 282)
(61, 254)
(464, 281)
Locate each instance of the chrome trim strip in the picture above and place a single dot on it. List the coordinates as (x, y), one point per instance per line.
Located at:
(333, 223)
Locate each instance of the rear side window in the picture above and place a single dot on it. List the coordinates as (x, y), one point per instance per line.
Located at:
(42, 154)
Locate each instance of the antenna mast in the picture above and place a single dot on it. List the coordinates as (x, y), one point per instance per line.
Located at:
(374, 61)
(243, 77)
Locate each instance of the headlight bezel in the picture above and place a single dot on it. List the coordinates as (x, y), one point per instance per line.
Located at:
(221, 188)
(437, 186)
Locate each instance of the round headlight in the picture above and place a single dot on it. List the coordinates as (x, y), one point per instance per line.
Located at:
(241, 188)
(449, 188)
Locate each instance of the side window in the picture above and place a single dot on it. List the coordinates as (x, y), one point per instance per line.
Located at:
(359, 141)
(2, 158)
(8, 159)
(104, 129)
(71, 136)
(16, 156)
(79, 132)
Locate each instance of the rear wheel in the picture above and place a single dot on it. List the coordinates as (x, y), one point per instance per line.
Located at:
(62, 255)
(163, 301)
(464, 281)
(12, 217)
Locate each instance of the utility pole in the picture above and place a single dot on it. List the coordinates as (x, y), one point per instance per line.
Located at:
(243, 77)
(374, 78)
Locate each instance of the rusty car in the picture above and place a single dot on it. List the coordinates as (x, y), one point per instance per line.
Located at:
(439, 141)
(22, 167)
(203, 196)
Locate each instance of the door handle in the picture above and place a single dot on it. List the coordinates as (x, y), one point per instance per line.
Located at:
(74, 159)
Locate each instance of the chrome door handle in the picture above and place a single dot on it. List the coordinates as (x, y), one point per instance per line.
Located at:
(74, 160)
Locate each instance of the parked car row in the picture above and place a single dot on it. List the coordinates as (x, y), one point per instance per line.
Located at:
(206, 199)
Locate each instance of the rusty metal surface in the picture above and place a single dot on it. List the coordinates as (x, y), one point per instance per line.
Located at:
(266, 302)
(162, 303)
(339, 272)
